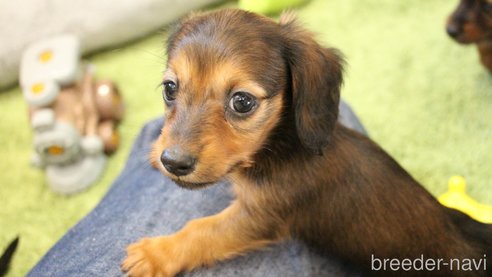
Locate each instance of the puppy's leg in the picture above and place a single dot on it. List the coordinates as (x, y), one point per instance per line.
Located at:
(201, 242)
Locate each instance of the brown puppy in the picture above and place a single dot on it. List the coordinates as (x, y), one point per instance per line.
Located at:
(256, 102)
(471, 22)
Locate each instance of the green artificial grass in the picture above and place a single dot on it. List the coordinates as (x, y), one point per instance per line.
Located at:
(424, 98)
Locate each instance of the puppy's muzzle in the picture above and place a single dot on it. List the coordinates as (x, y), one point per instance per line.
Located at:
(177, 161)
(453, 30)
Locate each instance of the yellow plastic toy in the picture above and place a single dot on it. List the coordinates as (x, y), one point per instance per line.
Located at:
(457, 198)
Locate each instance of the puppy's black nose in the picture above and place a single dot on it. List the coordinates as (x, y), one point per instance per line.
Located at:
(453, 30)
(178, 162)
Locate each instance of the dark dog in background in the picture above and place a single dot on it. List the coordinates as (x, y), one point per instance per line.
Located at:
(471, 22)
(256, 102)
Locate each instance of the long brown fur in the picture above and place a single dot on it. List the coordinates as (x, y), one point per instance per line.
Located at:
(471, 22)
(295, 171)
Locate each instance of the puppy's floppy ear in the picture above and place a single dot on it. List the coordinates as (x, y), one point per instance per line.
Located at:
(315, 80)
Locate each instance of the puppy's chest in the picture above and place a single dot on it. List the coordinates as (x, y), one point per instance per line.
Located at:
(291, 192)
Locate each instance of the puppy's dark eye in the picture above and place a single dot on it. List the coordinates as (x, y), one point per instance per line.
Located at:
(242, 102)
(170, 89)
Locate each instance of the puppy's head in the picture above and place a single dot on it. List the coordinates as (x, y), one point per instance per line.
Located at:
(471, 21)
(231, 79)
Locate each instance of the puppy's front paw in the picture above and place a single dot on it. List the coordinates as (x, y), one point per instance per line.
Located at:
(153, 257)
